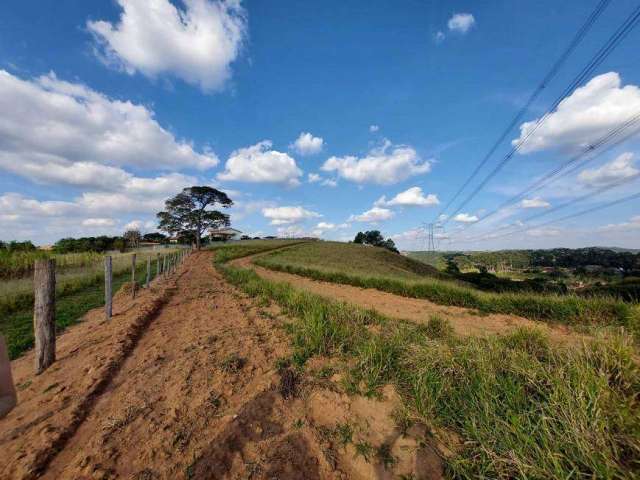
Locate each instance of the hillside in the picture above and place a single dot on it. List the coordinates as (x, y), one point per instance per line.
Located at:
(354, 259)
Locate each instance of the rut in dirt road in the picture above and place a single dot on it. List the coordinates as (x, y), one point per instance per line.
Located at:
(197, 398)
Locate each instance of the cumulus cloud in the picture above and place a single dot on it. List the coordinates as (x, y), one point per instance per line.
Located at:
(288, 214)
(410, 197)
(465, 218)
(461, 22)
(154, 37)
(374, 128)
(98, 222)
(385, 165)
(260, 164)
(313, 178)
(620, 168)
(332, 226)
(534, 203)
(375, 215)
(307, 144)
(439, 37)
(78, 136)
(585, 116)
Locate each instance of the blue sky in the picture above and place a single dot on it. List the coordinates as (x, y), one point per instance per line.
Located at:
(110, 107)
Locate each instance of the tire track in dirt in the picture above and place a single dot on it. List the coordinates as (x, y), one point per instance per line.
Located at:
(464, 321)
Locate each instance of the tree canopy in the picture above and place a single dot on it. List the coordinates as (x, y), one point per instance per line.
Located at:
(191, 213)
(375, 238)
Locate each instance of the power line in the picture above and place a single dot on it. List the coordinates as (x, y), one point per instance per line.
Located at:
(582, 31)
(557, 172)
(562, 219)
(596, 60)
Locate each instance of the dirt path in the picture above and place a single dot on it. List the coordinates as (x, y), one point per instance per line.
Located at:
(200, 385)
(464, 321)
(183, 383)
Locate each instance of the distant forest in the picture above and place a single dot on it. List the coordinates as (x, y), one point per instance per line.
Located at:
(625, 261)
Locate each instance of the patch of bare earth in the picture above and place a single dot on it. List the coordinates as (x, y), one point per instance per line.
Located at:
(183, 383)
(464, 321)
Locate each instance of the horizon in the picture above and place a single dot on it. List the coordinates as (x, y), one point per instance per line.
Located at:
(319, 119)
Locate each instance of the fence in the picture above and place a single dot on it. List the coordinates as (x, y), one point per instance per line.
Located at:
(44, 294)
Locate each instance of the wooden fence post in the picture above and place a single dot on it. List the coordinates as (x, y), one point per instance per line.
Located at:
(133, 276)
(158, 268)
(148, 271)
(107, 288)
(164, 265)
(44, 327)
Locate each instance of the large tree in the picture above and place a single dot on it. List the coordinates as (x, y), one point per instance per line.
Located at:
(375, 238)
(192, 211)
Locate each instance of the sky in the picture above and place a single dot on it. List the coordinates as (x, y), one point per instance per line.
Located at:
(318, 118)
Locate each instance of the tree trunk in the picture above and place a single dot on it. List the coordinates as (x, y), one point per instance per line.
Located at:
(198, 239)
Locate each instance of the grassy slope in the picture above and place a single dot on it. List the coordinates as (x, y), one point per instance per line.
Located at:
(365, 267)
(354, 259)
(523, 408)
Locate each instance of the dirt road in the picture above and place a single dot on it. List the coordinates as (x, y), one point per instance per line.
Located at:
(183, 383)
(465, 321)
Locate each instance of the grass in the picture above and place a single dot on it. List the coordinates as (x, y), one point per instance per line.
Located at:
(20, 264)
(354, 259)
(522, 407)
(567, 309)
(73, 300)
(228, 251)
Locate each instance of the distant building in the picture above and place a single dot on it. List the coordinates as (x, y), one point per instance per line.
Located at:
(224, 234)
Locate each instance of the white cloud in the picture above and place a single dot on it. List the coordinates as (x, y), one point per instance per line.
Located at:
(620, 168)
(325, 182)
(584, 117)
(329, 182)
(307, 144)
(385, 165)
(409, 236)
(465, 218)
(632, 224)
(291, 231)
(544, 232)
(77, 136)
(411, 197)
(288, 215)
(99, 222)
(325, 226)
(154, 37)
(374, 128)
(534, 203)
(133, 225)
(332, 226)
(260, 164)
(439, 37)
(376, 214)
(461, 22)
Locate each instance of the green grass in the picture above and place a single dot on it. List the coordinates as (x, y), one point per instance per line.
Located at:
(73, 300)
(567, 309)
(354, 259)
(522, 407)
(229, 251)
